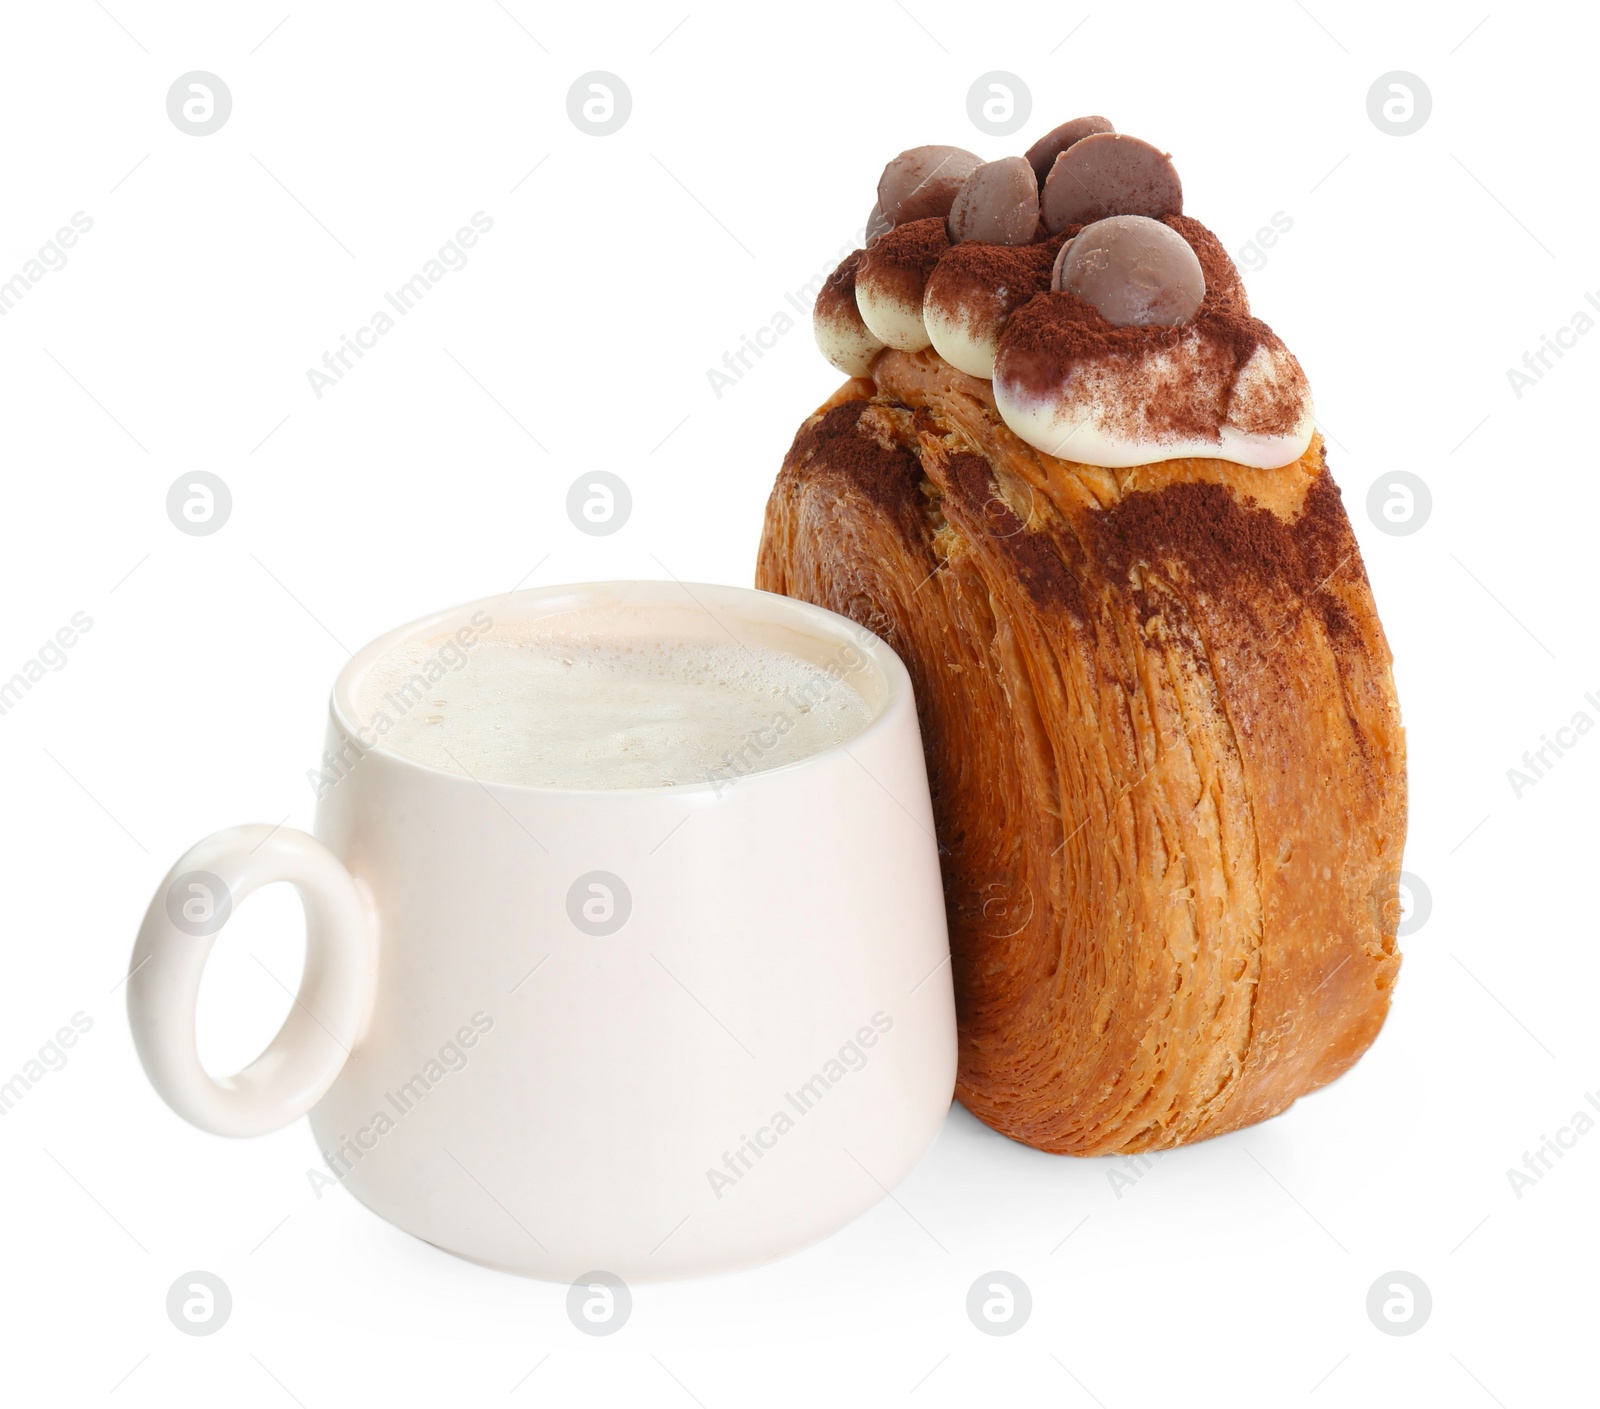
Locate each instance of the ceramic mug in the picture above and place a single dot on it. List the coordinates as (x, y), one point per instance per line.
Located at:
(651, 1032)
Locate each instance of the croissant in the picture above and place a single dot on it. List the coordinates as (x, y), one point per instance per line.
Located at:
(1078, 486)
(1163, 744)
(1162, 734)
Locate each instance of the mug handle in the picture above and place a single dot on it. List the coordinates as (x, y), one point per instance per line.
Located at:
(329, 1014)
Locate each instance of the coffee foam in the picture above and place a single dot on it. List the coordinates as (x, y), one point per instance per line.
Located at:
(609, 698)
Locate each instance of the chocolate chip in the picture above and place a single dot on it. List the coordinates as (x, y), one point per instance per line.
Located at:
(1109, 174)
(877, 226)
(1042, 154)
(1135, 272)
(998, 204)
(923, 181)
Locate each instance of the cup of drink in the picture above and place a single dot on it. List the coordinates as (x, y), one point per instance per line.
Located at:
(625, 936)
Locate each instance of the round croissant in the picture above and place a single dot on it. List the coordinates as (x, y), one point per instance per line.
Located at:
(1166, 757)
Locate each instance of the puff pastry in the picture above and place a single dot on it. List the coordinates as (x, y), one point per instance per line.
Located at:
(1164, 746)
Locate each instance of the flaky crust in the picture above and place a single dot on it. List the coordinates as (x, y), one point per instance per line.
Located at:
(1166, 756)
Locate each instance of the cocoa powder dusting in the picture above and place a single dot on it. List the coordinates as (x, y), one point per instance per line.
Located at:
(1036, 558)
(837, 297)
(827, 427)
(836, 443)
(902, 260)
(1199, 535)
(1224, 287)
(980, 284)
(1202, 538)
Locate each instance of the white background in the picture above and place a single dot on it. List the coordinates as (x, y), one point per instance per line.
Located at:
(177, 338)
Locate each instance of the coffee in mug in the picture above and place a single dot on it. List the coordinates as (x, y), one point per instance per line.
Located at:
(610, 696)
(625, 935)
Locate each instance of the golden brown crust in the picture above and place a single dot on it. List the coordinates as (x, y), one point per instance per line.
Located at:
(1164, 745)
